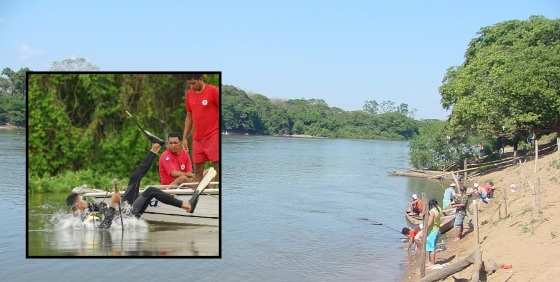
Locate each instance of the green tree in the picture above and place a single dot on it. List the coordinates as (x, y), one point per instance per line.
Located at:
(434, 148)
(371, 106)
(509, 82)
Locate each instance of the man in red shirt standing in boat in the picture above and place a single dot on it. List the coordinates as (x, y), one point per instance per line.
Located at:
(175, 165)
(202, 104)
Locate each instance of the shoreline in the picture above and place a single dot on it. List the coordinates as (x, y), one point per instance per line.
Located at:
(422, 173)
(273, 135)
(305, 136)
(527, 240)
(10, 127)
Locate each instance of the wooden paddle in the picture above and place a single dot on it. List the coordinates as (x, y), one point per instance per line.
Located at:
(152, 137)
(120, 212)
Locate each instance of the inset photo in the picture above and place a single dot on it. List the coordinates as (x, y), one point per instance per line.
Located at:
(123, 164)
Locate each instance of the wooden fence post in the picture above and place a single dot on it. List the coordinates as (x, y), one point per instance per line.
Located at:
(465, 167)
(534, 211)
(538, 190)
(424, 236)
(505, 201)
(536, 151)
(476, 222)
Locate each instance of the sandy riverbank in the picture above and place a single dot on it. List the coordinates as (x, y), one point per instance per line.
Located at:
(527, 240)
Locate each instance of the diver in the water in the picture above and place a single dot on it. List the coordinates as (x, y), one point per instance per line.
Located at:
(138, 202)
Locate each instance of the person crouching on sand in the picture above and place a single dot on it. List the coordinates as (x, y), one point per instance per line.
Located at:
(413, 236)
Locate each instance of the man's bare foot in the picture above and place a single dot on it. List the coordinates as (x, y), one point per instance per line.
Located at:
(186, 206)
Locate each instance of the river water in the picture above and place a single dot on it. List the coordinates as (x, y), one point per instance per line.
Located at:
(292, 210)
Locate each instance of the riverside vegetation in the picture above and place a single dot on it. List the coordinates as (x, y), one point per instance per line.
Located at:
(506, 90)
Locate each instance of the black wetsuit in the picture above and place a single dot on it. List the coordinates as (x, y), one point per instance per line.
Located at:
(138, 202)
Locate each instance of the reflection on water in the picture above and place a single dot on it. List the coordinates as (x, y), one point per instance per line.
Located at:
(53, 231)
(73, 237)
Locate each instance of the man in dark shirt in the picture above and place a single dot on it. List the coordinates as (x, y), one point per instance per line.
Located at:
(138, 202)
(460, 203)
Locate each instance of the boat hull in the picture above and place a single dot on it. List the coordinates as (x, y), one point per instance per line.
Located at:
(446, 222)
(206, 212)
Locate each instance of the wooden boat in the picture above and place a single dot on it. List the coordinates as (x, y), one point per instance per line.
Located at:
(413, 220)
(206, 212)
(446, 220)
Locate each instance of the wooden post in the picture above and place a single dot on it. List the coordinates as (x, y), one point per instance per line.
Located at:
(533, 188)
(536, 151)
(424, 236)
(476, 223)
(505, 201)
(456, 181)
(558, 142)
(465, 167)
(538, 197)
(477, 265)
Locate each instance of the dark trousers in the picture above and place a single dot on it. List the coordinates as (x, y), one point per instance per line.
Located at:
(142, 202)
(139, 203)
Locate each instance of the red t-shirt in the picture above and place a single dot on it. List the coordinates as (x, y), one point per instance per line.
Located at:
(412, 233)
(169, 162)
(486, 188)
(204, 109)
(417, 205)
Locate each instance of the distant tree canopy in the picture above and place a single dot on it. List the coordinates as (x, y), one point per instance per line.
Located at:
(509, 83)
(255, 113)
(73, 64)
(12, 96)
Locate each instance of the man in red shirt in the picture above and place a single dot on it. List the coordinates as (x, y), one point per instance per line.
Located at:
(202, 104)
(175, 164)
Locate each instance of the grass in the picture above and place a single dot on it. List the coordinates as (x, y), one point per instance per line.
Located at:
(555, 164)
(525, 228)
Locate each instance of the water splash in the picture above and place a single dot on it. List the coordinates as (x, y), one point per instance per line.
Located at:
(66, 221)
(72, 236)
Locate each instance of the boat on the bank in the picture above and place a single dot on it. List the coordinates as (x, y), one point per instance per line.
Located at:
(446, 221)
(207, 211)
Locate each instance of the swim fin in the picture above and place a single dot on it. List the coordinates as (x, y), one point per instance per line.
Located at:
(153, 139)
(193, 201)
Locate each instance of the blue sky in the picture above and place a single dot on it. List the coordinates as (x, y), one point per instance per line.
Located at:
(340, 51)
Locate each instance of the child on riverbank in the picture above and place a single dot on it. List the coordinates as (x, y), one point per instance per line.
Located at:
(413, 236)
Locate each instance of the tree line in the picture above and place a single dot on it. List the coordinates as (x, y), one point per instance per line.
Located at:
(257, 114)
(12, 97)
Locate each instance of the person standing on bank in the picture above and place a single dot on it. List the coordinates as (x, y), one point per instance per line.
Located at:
(448, 195)
(202, 104)
(434, 224)
(460, 203)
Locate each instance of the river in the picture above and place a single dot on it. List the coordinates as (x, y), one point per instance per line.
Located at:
(292, 210)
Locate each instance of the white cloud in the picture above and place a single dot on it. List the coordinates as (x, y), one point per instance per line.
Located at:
(26, 52)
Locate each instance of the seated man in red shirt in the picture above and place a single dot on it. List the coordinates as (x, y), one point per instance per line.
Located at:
(175, 165)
